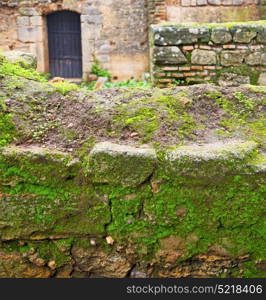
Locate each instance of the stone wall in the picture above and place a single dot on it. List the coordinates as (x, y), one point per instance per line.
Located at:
(55, 219)
(110, 34)
(228, 54)
(157, 11)
(204, 11)
(114, 34)
(130, 182)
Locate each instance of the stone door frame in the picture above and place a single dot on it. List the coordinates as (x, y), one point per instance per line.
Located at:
(32, 30)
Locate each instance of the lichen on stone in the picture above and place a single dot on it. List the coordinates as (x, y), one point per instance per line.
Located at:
(131, 181)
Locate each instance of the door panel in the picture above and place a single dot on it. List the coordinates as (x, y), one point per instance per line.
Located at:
(64, 42)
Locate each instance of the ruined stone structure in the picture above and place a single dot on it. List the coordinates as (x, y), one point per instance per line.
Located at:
(130, 182)
(213, 10)
(228, 54)
(109, 33)
(114, 34)
(205, 10)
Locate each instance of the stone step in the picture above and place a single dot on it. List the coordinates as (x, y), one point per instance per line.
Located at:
(213, 159)
(120, 164)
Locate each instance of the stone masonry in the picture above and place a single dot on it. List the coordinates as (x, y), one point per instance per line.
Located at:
(226, 54)
(114, 34)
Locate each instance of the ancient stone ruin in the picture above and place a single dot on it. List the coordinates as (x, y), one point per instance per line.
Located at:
(227, 54)
(166, 180)
(117, 36)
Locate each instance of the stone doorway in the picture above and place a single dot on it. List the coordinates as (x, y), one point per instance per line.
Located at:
(64, 44)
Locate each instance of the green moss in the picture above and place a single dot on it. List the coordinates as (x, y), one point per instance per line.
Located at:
(241, 70)
(68, 134)
(97, 70)
(7, 127)
(256, 89)
(227, 211)
(65, 87)
(256, 130)
(46, 194)
(146, 116)
(216, 25)
(42, 211)
(248, 104)
(36, 166)
(143, 120)
(250, 270)
(240, 114)
(83, 153)
(230, 209)
(54, 194)
(58, 250)
(128, 221)
(15, 69)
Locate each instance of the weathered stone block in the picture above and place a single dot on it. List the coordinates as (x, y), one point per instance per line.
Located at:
(185, 3)
(23, 21)
(28, 11)
(89, 32)
(174, 36)
(263, 59)
(121, 165)
(92, 11)
(92, 19)
(169, 55)
(227, 2)
(26, 34)
(232, 79)
(36, 20)
(218, 158)
(261, 37)
(221, 35)
(232, 58)
(253, 58)
(58, 165)
(26, 60)
(262, 79)
(113, 265)
(214, 2)
(203, 57)
(244, 35)
(202, 2)
(13, 265)
(256, 58)
(43, 196)
(238, 2)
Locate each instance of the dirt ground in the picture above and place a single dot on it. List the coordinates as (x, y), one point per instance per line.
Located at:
(163, 117)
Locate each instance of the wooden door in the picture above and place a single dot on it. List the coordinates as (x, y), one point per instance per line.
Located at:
(64, 43)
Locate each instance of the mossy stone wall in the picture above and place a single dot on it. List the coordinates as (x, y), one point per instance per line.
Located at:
(186, 201)
(130, 182)
(229, 54)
